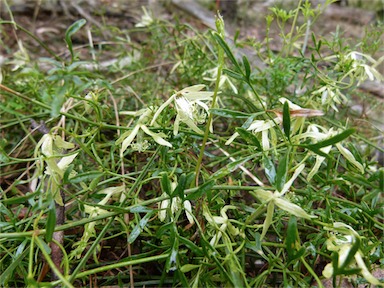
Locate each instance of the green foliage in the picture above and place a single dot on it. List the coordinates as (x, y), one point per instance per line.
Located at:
(188, 166)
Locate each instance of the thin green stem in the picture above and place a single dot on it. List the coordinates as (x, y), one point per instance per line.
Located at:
(52, 265)
(293, 28)
(122, 264)
(214, 99)
(310, 270)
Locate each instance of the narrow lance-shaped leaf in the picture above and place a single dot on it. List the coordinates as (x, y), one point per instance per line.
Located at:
(233, 74)
(249, 137)
(227, 50)
(247, 68)
(201, 190)
(269, 169)
(179, 190)
(139, 227)
(282, 170)
(72, 30)
(286, 120)
(331, 141)
(291, 238)
(50, 224)
(166, 184)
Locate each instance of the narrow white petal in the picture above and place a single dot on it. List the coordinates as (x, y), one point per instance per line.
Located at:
(188, 211)
(292, 208)
(364, 270)
(268, 219)
(65, 161)
(193, 126)
(293, 178)
(176, 125)
(233, 137)
(161, 108)
(349, 156)
(127, 141)
(265, 140)
(156, 137)
(47, 145)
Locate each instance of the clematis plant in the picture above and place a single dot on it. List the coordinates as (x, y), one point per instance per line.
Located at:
(265, 126)
(313, 131)
(223, 221)
(141, 126)
(190, 106)
(272, 199)
(174, 204)
(345, 243)
(53, 148)
(94, 211)
(211, 76)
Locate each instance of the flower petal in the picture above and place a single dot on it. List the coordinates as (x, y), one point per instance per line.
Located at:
(161, 108)
(349, 156)
(127, 141)
(188, 211)
(293, 178)
(364, 270)
(65, 161)
(156, 137)
(292, 208)
(268, 219)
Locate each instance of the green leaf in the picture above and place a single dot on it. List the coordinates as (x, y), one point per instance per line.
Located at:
(249, 137)
(282, 171)
(286, 120)
(86, 177)
(172, 260)
(139, 227)
(202, 189)
(270, 170)
(140, 209)
(233, 74)
(72, 30)
(179, 190)
(229, 113)
(331, 141)
(189, 267)
(227, 50)
(291, 238)
(58, 101)
(166, 184)
(191, 246)
(247, 68)
(6, 274)
(50, 224)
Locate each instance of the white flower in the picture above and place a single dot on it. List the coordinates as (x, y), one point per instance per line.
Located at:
(276, 198)
(174, 205)
(223, 221)
(190, 107)
(223, 79)
(343, 247)
(361, 69)
(126, 138)
(331, 96)
(146, 19)
(313, 132)
(53, 148)
(263, 126)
